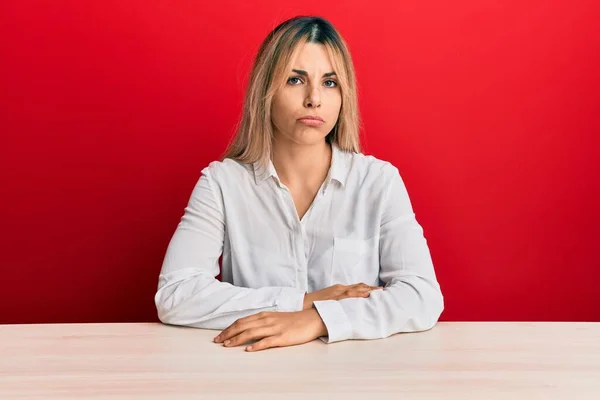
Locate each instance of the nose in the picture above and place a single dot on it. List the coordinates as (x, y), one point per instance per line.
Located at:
(313, 98)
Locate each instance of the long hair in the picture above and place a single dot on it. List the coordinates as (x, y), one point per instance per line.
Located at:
(253, 139)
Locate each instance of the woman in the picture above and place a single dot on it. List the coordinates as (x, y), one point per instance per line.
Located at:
(308, 227)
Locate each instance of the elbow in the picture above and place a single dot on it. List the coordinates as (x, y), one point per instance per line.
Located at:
(433, 308)
(165, 308)
(419, 305)
(171, 299)
(183, 301)
(165, 317)
(420, 302)
(429, 305)
(162, 311)
(179, 304)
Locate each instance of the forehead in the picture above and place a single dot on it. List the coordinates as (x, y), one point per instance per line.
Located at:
(311, 56)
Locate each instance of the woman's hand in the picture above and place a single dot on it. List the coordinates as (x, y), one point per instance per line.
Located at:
(338, 292)
(276, 329)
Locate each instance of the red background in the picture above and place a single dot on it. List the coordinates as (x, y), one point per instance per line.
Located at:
(109, 111)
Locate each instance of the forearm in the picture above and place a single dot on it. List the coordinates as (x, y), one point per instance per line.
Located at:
(203, 302)
(413, 304)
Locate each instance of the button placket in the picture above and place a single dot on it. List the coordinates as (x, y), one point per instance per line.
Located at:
(302, 243)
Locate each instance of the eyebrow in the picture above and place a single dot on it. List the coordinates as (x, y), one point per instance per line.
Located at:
(302, 72)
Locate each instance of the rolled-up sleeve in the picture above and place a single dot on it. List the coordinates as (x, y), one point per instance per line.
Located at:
(188, 292)
(412, 299)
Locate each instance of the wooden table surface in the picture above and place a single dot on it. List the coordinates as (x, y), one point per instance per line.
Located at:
(454, 360)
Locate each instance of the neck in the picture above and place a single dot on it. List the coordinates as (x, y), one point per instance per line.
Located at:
(301, 164)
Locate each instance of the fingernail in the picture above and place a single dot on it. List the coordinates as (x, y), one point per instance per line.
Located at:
(227, 342)
(249, 348)
(216, 339)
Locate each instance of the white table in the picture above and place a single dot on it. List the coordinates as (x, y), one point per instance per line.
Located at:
(491, 360)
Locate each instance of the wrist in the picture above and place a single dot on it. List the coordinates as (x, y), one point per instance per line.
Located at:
(308, 302)
(321, 328)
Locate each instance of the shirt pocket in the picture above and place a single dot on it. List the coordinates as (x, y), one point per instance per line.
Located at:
(355, 260)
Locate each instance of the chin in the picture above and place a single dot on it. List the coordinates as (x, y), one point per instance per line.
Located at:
(307, 137)
(311, 140)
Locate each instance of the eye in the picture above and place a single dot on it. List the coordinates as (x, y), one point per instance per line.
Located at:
(334, 83)
(292, 79)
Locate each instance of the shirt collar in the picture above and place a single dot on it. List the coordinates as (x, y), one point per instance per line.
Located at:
(261, 173)
(340, 165)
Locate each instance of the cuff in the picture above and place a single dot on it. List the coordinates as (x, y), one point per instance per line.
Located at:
(335, 319)
(290, 299)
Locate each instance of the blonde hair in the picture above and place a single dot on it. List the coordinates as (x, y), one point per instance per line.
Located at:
(253, 139)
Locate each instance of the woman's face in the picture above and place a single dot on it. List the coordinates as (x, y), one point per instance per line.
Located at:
(311, 89)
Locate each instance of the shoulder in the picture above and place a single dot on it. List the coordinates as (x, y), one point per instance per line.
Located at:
(371, 167)
(227, 170)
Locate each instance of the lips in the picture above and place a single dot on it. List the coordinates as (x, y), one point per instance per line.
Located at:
(312, 117)
(311, 122)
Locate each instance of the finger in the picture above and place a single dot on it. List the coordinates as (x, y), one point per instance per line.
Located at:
(250, 334)
(240, 325)
(364, 286)
(266, 343)
(235, 329)
(358, 288)
(361, 285)
(353, 293)
(358, 291)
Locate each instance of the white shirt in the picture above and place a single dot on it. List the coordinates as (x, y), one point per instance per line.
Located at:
(359, 228)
